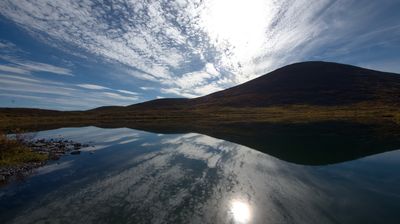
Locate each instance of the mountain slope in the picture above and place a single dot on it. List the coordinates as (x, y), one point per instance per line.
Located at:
(306, 83)
(311, 83)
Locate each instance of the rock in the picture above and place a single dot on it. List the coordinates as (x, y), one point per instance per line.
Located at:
(39, 144)
(5, 173)
(54, 156)
(69, 147)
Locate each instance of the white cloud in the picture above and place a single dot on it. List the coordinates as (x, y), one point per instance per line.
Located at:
(20, 66)
(12, 69)
(166, 42)
(43, 67)
(147, 88)
(10, 83)
(127, 92)
(207, 89)
(58, 95)
(92, 86)
(177, 91)
(11, 95)
(194, 84)
(6, 44)
(119, 97)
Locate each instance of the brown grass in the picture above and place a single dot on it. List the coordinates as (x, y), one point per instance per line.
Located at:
(15, 152)
(361, 113)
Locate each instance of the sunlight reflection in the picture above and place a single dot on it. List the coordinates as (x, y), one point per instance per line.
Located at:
(240, 211)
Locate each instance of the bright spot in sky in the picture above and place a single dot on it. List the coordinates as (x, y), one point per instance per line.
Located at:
(240, 212)
(237, 26)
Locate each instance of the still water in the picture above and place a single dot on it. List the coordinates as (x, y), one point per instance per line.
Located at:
(131, 176)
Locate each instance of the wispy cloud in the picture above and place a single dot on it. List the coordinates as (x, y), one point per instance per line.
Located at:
(20, 66)
(6, 45)
(146, 88)
(192, 48)
(92, 86)
(43, 67)
(119, 96)
(12, 69)
(128, 92)
(59, 95)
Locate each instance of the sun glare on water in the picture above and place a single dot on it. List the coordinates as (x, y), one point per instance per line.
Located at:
(240, 212)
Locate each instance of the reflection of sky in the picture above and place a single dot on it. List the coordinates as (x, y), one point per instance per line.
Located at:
(90, 134)
(199, 179)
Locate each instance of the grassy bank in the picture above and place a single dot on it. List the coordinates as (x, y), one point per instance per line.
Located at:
(362, 113)
(14, 152)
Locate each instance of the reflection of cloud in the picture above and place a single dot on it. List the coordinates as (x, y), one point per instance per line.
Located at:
(193, 178)
(192, 170)
(147, 144)
(90, 134)
(94, 148)
(128, 141)
(53, 167)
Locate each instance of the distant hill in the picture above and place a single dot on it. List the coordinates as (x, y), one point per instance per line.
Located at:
(306, 83)
(301, 92)
(312, 83)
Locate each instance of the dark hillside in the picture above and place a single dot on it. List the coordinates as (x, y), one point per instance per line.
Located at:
(311, 83)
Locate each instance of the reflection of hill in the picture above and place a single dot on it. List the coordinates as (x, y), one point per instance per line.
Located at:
(308, 144)
(303, 143)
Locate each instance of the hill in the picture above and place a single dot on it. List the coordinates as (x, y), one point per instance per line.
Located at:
(301, 92)
(306, 83)
(311, 83)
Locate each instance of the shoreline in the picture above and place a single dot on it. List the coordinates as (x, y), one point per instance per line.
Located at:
(48, 149)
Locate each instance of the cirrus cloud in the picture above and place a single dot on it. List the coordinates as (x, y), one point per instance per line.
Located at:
(194, 47)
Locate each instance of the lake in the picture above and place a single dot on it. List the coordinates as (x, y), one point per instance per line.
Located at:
(134, 176)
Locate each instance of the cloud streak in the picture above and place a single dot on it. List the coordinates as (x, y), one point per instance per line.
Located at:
(192, 48)
(92, 86)
(20, 66)
(59, 95)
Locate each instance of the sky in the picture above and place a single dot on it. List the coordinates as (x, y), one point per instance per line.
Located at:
(76, 55)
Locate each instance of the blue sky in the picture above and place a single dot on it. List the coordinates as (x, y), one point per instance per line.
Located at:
(69, 54)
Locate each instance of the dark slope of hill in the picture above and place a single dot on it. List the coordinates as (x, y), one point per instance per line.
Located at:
(312, 83)
(161, 103)
(16, 112)
(305, 83)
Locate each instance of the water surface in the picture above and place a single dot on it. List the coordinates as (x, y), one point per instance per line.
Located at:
(131, 176)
